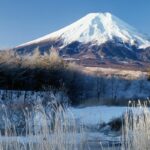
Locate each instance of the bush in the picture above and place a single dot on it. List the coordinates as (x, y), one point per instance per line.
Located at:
(116, 124)
(148, 78)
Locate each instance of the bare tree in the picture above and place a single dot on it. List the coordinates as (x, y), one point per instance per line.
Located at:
(100, 86)
(114, 87)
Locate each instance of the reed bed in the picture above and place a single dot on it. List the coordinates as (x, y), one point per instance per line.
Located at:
(54, 128)
(49, 128)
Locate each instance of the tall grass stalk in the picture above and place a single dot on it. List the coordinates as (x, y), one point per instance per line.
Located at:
(136, 129)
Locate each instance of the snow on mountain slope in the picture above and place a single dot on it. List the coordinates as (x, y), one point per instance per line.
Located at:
(98, 28)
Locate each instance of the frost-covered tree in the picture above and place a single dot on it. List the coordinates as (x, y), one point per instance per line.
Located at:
(54, 56)
(35, 59)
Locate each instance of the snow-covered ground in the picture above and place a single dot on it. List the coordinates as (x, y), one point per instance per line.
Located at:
(97, 114)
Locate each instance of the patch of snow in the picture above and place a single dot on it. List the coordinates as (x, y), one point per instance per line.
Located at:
(96, 115)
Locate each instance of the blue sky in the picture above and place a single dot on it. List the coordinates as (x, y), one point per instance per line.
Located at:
(25, 20)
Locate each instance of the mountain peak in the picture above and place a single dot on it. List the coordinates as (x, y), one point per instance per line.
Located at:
(99, 13)
(98, 28)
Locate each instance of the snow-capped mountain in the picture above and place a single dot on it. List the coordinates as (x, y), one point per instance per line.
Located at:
(98, 28)
(96, 36)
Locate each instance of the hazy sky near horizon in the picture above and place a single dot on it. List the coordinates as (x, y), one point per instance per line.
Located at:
(25, 20)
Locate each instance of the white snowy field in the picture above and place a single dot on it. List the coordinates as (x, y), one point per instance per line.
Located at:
(96, 114)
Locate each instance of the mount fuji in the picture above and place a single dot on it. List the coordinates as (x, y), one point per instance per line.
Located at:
(96, 39)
